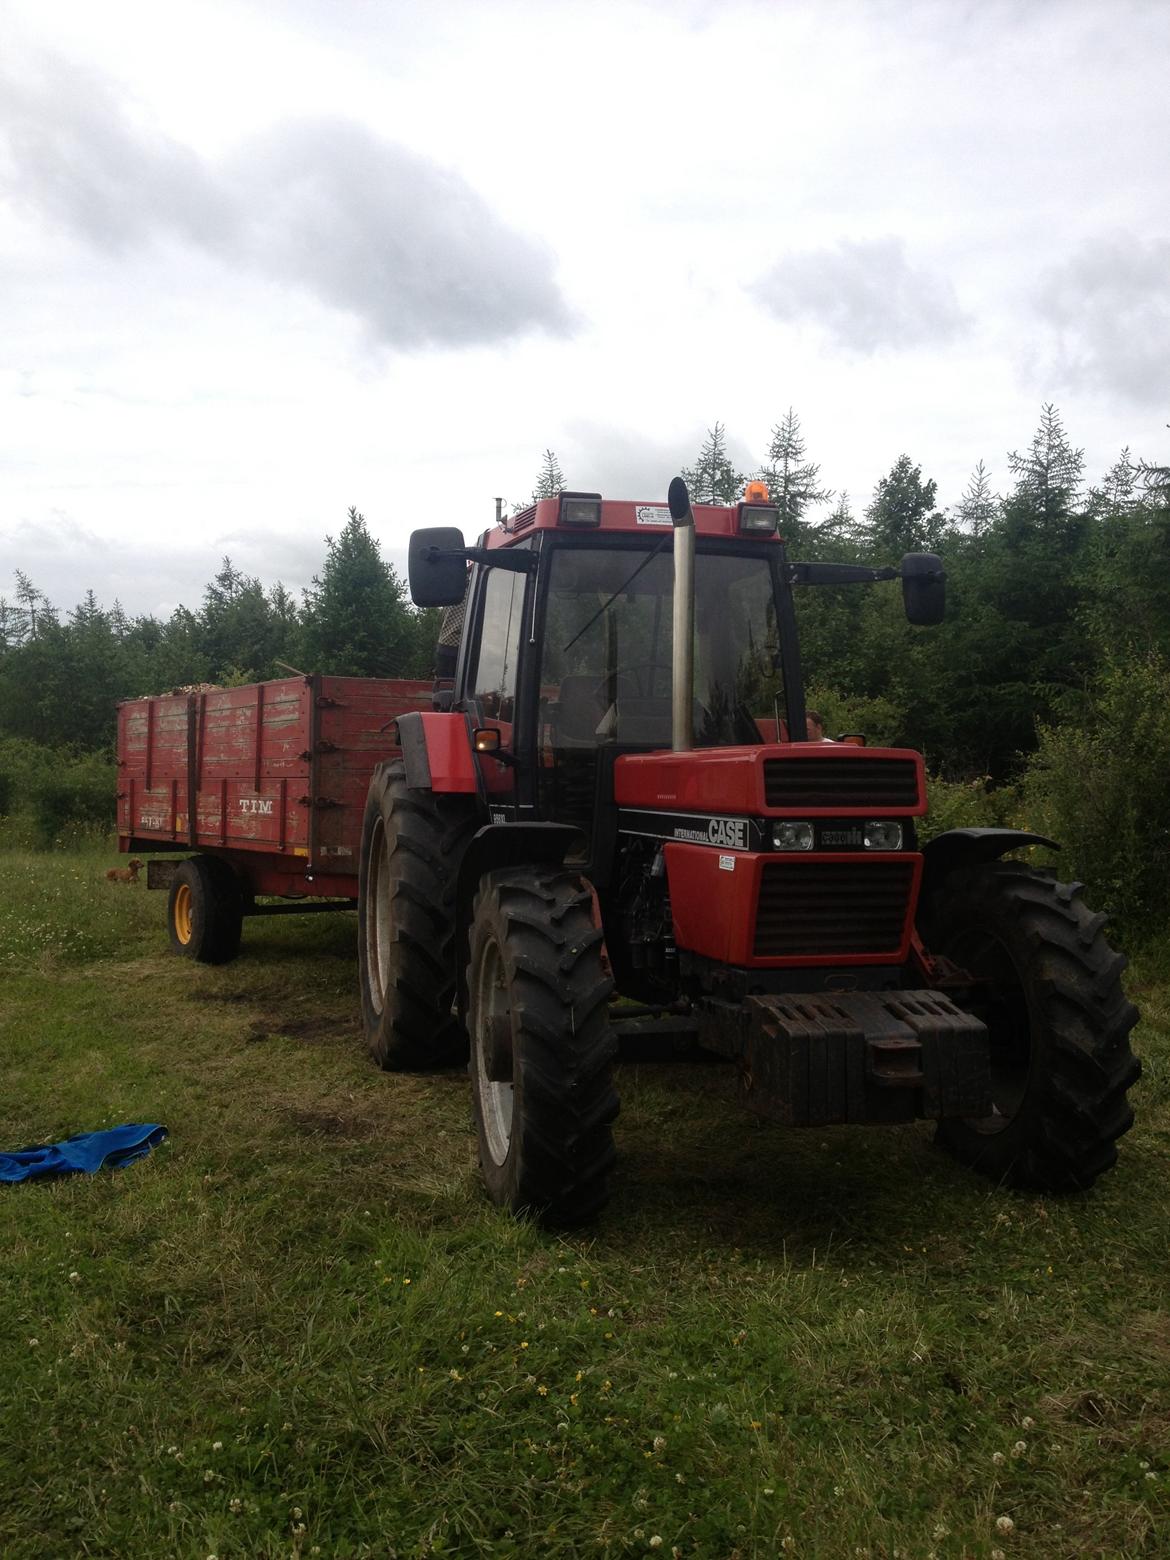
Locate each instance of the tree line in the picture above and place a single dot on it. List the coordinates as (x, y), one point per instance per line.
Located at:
(60, 677)
(1043, 699)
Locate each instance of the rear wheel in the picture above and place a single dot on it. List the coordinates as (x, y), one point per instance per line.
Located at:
(542, 1051)
(412, 844)
(205, 911)
(1048, 987)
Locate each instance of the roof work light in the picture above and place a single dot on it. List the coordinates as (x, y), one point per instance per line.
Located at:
(579, 509)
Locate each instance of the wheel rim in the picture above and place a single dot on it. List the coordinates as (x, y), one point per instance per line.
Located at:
(182, 914)
(379, 916)
(496, 1099)
(1002, 1004)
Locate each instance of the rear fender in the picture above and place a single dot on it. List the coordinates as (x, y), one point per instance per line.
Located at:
(501, 845)
(970, 848)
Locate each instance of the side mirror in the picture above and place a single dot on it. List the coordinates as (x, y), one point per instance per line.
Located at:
(437, 566)
(924, 590)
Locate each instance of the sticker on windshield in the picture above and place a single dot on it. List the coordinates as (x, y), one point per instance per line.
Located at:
(652, 514)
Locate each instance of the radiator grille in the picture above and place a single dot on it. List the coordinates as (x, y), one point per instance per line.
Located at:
(876, 783)
(834, 907)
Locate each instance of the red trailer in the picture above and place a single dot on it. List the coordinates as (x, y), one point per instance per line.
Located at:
(267, 783)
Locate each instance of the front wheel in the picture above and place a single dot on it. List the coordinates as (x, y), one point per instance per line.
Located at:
(1048, 987)
(542, 1051)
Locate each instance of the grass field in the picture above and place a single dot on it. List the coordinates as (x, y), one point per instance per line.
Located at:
(297, 1329)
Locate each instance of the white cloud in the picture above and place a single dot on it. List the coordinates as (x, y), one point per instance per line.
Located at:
(1108, 309)
(366, 226)
(865, 296)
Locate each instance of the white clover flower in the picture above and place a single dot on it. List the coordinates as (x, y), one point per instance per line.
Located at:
(1004, 1525)
(1027, 1423)
(655, 1541)
(659, 1443)
(208, 1475)
(217, 1446)
(34, 1343)
(1019, 1448)
(75, 1277)
(998, 1459)
(940, 1530)
(297, 1512)
(998, 1554)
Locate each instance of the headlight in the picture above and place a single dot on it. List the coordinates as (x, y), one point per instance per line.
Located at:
(883, 836)
(792, 836)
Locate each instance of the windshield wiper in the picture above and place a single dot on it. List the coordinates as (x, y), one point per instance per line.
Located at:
(653, 553)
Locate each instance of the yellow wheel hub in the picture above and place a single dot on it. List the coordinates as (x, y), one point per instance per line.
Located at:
(183, 927)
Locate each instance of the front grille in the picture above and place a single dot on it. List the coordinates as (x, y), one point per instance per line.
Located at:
(834, 907)
(875, 783)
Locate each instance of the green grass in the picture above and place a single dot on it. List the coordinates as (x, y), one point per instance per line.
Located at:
(298, 1329)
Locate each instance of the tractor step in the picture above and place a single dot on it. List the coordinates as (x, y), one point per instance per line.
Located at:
(816, 1060)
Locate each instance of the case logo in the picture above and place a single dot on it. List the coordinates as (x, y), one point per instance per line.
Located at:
(729, 832)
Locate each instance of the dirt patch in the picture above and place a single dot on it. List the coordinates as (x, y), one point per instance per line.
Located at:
(311, 1031)
(331, 1123)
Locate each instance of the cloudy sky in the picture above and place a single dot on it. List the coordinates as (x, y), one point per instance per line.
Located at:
(260, 261)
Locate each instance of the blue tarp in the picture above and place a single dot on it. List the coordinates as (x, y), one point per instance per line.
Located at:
(84, 1154)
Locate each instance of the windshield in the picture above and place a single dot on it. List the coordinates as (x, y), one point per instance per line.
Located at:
(606, 673)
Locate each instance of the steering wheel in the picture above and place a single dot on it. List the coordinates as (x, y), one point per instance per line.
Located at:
(641, 673)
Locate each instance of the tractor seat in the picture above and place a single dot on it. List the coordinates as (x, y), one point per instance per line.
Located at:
(577, 712)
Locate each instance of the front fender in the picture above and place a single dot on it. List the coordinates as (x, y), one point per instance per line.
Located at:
(971, 848)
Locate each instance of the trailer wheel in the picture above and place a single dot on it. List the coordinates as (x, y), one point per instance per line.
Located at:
(205, 910)
(542, 1051)
(1049, 991)
(412, 843)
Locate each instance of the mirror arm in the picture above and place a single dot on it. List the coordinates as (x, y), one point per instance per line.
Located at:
(491, 557)
(838, 574)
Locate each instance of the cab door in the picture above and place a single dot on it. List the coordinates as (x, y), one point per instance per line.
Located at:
(492, 678)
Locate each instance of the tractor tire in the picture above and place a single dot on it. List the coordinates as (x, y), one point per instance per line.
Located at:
(542, 1051)
(412, 844)
(205, 911)
(1049, 991)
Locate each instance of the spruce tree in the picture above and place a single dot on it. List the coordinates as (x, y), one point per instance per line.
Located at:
(1049, 474)
(356, 622)
(551, 480)
(976, 509)
(713, 479)
(792, 480)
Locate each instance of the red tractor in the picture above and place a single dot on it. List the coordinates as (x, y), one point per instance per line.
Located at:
(614, 824)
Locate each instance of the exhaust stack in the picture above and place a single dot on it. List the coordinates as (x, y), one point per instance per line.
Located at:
(682, 665)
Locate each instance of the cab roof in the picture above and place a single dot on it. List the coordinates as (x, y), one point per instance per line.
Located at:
(624, 515)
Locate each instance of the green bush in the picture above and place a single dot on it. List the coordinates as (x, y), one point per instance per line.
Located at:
(1099, 786)
(878, 719)
(51, 797)
(967, 804)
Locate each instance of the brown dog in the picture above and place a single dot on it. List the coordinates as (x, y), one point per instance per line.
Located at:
(128, 874)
